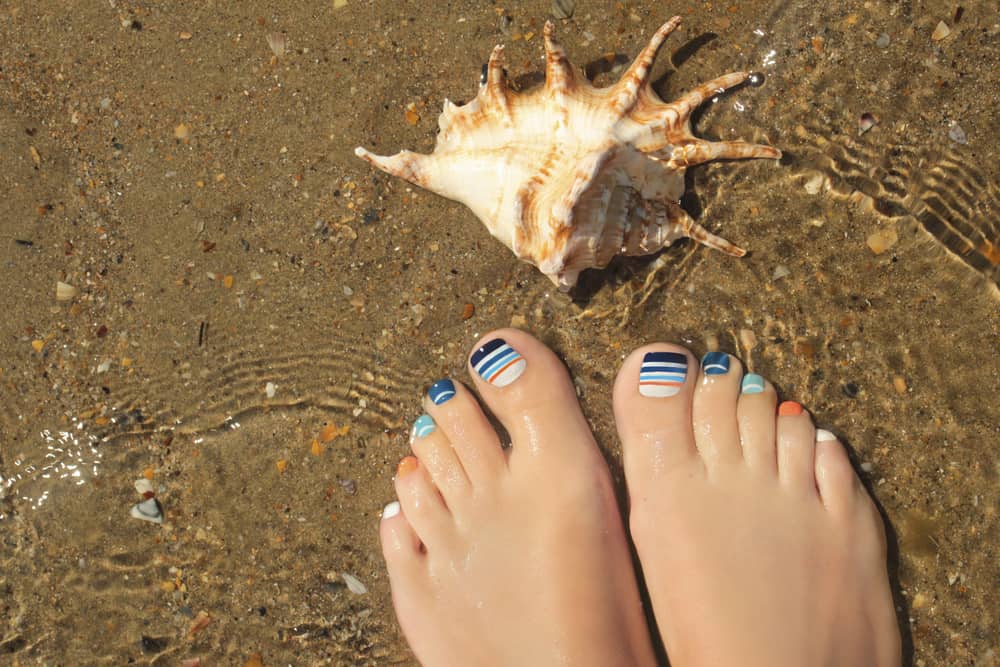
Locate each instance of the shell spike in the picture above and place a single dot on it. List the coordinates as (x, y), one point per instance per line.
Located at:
(699, 152)
(696, 232)
(405, 164)
(687, 103)
(636, 77)
(558, 72)
(496, 80)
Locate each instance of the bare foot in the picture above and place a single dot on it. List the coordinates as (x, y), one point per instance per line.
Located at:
(758, 542)
(517, 556)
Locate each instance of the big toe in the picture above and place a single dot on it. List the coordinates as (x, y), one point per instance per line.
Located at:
(529, 390)
(653, 405)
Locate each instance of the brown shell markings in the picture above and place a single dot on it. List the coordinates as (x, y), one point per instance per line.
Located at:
(568, 175)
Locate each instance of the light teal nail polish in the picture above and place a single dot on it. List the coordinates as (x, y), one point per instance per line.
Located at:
(752, 384)
(423, 427)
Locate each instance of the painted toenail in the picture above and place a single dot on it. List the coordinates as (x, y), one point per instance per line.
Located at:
(789, 409)
(498, 363)
(662, 374)
(406, 466)
(752, 384)
(423, 427)
(715, 363)
(391, 510)
(441, 391)
(822, 435)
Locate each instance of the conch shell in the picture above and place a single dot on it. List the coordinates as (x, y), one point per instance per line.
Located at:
(568, 175)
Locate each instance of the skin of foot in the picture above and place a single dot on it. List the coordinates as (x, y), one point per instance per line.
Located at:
(758, 543)
(511, 556)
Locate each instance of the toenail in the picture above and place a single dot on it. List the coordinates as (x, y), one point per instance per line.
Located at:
(391, 510)
(498, 363)
(822, 435)
(441, 391)
(407, 465)
(752, 384)
(423, 427)
(662, 374)
(789, 409)
(715, 363)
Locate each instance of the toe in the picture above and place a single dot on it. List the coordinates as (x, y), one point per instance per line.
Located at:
(713, 412)
(422, 504)
(437, 455)
(400, 545)
(466, 428)
(528, 389)
(796, 439)
(838, 485)
(652, 401)
(755, 414)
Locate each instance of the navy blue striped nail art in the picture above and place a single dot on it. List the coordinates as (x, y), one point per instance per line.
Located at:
(441, 391)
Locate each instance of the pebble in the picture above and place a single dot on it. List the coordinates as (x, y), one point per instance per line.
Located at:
(354, 584)
(814, 184)
(883, 41)
(957, 134)
(270, 389)
(899, 384)
(851, 389)
(866, 122)
(350, 486)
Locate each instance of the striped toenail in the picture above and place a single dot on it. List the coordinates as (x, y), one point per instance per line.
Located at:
(441, 391)
(391, 510)
(498, 363)
(789, 409)
(752, 384)
(822, 435)
(662, 374)
(715, 363)
(422, 427)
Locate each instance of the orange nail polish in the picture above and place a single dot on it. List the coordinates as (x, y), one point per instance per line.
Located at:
(789, 409)
(407, 465)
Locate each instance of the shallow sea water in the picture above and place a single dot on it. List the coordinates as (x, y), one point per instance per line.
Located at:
(258, 311)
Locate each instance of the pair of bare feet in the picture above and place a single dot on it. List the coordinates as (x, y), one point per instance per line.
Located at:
(758, 543)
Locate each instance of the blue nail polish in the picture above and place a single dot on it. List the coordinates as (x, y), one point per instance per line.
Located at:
(498, 363)
(662, 374)
(423, 427)
(752, 384)
(441, 391)
(715, 363)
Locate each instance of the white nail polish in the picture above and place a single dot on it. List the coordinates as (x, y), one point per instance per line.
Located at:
(391, 510)
(822, 435)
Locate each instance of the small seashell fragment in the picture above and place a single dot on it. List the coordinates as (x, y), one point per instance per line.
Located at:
(65, 291)
(148, 510)
(866, 122)
(940, 31)
(883, 41)
(278, 43)
(563, 9)
(780, 271)
(957, 134)
(339, 4)
(143, 486)
(270, 389)
(182, 132)
(814, 184)
(353, 584)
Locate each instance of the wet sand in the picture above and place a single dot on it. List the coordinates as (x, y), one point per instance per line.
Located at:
(254, 312)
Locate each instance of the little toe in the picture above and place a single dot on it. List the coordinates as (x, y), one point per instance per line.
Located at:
(755, 415)
(528, 389)
(652, 403)
(422, 504)
(796, 438)
(713, 411)
(835, 478)
(462, 422)
(437, 455)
